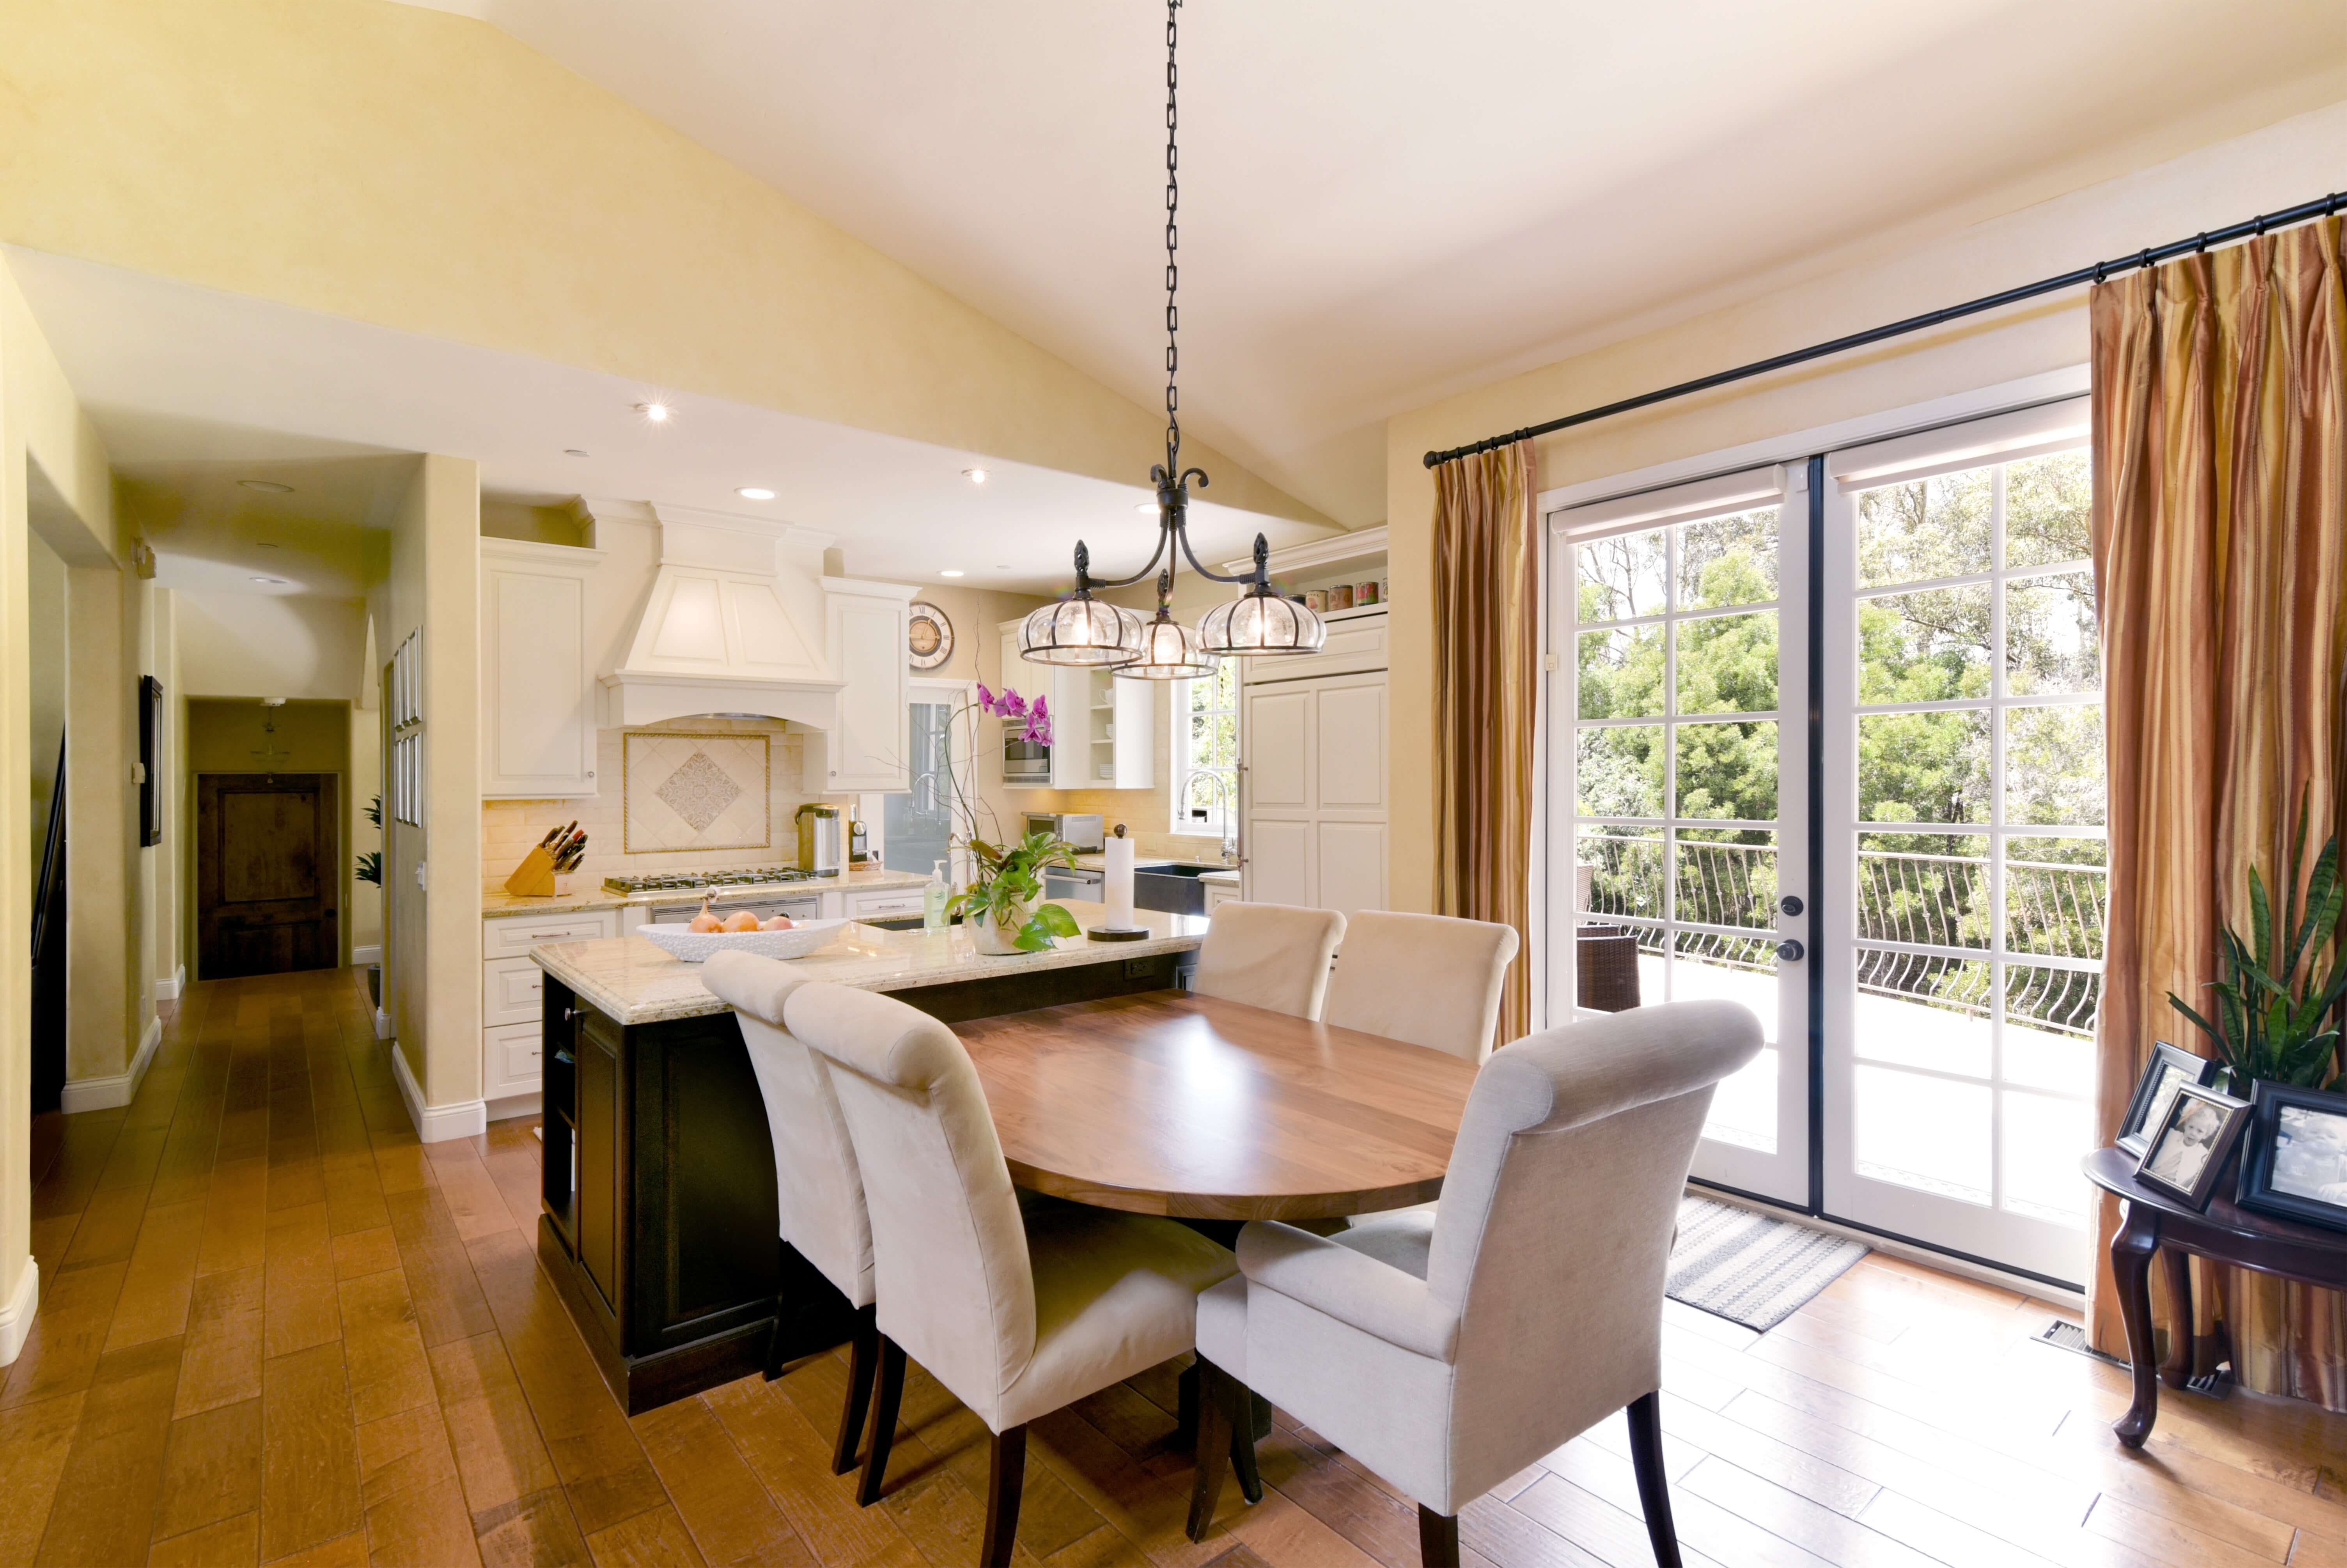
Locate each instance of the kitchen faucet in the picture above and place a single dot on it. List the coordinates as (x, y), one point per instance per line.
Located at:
(1230, 814)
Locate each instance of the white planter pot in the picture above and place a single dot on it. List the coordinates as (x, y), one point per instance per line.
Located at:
(988, 937)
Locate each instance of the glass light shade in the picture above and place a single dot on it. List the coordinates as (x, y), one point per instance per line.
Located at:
(1260, 622)
(1081, 631)
(1169, 652)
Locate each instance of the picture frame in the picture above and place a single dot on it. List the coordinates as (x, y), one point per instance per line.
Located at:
(2294, 1156)
(2190, 1147)
(2169, 1068)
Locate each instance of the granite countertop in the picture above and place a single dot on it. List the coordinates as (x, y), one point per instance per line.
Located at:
(630, 981)
(595, 895)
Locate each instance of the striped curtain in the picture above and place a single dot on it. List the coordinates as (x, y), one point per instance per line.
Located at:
(1486, 690)
(2220, 553)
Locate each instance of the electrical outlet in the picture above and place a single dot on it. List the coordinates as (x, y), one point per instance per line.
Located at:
(1136, 968)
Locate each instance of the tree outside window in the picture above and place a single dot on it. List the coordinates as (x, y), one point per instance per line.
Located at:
(1206, 750)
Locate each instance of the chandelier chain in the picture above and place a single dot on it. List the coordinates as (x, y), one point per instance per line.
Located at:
(1173, 242)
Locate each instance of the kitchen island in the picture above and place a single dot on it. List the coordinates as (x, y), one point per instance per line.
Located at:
(659, 1223)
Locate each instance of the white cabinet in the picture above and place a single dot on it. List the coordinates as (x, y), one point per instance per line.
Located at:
(865, 749)
(538, 711)
(513, 989)
(1314, 792)
(1104, 730)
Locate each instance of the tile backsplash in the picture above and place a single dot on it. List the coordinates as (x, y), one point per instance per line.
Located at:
(509, 828)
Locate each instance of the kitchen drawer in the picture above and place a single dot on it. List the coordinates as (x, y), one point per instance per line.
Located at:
(892, 901)
(515, 935)
(510, 991)
(510, 1061)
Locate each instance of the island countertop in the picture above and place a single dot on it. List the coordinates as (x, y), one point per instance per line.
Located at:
(498, 905)
(630, 981)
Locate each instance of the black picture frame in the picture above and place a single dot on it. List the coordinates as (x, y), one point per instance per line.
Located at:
(150, 718)
(2261, 1152)
(2200, 1184)
(2135, 1135)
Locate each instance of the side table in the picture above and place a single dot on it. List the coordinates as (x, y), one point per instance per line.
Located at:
(2154, 1221)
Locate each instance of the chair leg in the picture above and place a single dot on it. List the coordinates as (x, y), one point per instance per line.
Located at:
(1214, 1440)
(1005, 1471)
(1239, 1410)
(1654, 1488)
(863, 1350)
(1185, 1405)
(782, 1290)
(884, 1420)
(1437, 1538)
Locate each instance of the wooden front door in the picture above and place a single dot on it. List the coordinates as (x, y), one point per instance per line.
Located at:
(268, 892)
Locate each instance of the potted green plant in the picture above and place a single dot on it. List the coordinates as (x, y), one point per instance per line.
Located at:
(2275, 1023)
(369, 869)
(1003, 905)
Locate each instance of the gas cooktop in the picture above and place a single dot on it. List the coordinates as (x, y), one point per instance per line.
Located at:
(694, 881)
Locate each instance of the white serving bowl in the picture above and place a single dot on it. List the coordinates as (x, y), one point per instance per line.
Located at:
(695, 947)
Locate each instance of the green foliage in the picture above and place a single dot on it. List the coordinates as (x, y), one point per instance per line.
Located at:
(1007, 884)
(370, 867)
(2269, 1017)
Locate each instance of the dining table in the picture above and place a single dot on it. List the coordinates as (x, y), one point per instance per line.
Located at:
(1171, 1103)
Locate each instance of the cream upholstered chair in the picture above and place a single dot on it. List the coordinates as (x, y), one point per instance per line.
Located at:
(1447, 1351)
(1430, 980)
(1016, 1311)
(1271, 956)
(817, 1188)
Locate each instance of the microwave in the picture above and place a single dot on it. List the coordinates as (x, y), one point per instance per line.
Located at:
(1085, 830)
(1026, 764)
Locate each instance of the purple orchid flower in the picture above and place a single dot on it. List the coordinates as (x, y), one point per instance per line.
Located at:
(1038, 722)
(1011, 704)
(985, 699)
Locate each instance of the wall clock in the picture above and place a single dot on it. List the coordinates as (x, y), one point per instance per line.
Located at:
(928, 635)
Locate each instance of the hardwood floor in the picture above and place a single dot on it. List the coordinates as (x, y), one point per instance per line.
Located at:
(275, 1328)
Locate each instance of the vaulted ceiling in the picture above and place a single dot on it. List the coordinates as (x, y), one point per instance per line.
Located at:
(1386, 201)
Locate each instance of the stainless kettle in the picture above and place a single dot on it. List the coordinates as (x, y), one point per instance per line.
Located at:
(820, 849)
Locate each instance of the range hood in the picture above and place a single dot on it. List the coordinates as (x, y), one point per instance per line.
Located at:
(734, 624)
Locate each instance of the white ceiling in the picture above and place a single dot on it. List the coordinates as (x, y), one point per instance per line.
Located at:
(194, 391)
(1384, 201)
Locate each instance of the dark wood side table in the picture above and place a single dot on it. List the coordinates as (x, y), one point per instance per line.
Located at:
(2154, 1221)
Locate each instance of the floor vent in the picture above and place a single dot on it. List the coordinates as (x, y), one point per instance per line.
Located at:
(2064, 1334)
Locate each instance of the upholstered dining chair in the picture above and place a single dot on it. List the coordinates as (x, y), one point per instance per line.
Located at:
(1017, 1310)
(817, 1189)
(1271, 956)
(1447, 1351)
(1431, 979)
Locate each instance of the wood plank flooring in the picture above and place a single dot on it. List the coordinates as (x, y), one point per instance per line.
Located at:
(275, 1328)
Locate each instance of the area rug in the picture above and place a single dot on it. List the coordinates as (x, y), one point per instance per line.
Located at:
(1751, 1268)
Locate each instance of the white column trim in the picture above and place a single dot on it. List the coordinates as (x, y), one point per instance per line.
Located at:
(436, 1124)
(115, 1089)
(16, 1312)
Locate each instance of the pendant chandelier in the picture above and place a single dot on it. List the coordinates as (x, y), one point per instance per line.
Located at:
(1082, 630)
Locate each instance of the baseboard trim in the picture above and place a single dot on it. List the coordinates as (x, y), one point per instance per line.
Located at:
(514, 1105)
(117, 1088)
(168, 987)
(361, 957)
(436, 1124)
(17, 1313)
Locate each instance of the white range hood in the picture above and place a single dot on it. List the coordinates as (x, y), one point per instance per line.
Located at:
(733, 624)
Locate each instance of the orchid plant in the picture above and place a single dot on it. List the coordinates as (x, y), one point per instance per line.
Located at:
(1006, 878)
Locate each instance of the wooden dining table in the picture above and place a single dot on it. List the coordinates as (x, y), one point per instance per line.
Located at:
(1169, 1103)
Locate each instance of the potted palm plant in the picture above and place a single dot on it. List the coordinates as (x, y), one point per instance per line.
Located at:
(2275, 1022)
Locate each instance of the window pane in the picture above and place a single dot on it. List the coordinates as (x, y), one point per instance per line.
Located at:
(1931, 528)
(1728, 877)
(1744, 1105)
(2046, 505)
(1923, 767)
(2056, 894)
(1728, 770)
(1929, 890)
(1625, 874)
(1922, 1011)
(1621, 577)
(2049, 1027)
(2043, 1139)
(1727, 664)
(2054, 765)
(1621, 673)
(1620, 771)
(1738, 970)
(1728, 560)
(1924, 1132)
(2051, 640)
(1929, 647)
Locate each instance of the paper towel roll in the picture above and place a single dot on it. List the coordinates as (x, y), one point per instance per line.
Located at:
(1116, 891)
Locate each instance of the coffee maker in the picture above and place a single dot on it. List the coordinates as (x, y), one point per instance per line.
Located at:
(820, 849)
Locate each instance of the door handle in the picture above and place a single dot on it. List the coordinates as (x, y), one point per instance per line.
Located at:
(1792, 952)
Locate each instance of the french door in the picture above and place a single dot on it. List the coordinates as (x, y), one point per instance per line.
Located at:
(1683, 757)
(1886, 837)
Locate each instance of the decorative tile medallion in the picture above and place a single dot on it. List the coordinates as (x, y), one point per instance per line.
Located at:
(696, 791)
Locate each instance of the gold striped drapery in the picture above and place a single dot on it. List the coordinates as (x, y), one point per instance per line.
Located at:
(2220, 555)
(1486, 688)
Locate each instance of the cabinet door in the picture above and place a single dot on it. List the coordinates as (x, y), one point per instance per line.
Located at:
(1276, 790)
(1136, 732)
(537, 732)
(866, 751)
(599, 1125)
(1315, 793)
(1071, 686)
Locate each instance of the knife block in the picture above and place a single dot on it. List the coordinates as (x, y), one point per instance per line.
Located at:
(535, 878)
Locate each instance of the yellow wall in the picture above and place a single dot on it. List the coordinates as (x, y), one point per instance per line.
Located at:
(425, 171)
(2279, 166)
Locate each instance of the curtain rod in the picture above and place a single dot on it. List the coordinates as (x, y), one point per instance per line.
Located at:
(2304, 212)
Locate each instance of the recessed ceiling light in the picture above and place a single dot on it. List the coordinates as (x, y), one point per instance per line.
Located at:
(949, 574)
(572, 452)
(754, 492)
(278, 580)
(975, 475)
(267, 487)
(657, 413)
